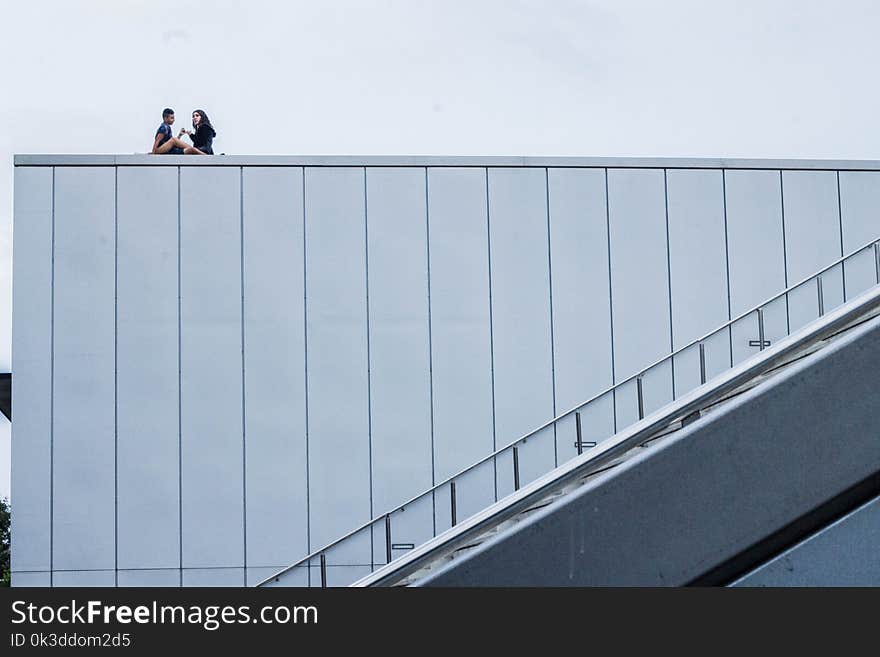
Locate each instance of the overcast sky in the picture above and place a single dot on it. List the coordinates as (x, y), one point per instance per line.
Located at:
(752, 78)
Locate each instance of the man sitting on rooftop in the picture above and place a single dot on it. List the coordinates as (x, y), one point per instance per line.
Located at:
(165, 142)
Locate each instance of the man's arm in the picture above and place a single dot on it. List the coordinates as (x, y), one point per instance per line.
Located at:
(156, 143)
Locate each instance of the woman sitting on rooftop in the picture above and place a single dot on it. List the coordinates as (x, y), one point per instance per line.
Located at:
(202, 135)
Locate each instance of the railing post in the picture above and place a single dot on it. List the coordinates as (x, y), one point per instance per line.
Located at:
(577, 425)
(452, 502)
(579, 442)
(516, 468)
(641, 396)
(387, 538)
(760, 329)
(323, 571)
(877, 261)
(821, 296)
(702, 363)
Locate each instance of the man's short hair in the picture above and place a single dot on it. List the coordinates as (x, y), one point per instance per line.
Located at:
(167, 111)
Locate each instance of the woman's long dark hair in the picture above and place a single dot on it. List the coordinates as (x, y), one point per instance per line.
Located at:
(205, 120)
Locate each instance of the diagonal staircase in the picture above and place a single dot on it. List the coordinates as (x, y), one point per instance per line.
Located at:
(472, 520)
(435, 562)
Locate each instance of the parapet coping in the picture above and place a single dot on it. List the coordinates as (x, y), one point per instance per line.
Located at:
(142, 159)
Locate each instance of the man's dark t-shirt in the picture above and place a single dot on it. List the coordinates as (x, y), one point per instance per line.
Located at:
(167, 133)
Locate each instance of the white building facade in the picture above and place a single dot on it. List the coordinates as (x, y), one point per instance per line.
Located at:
(221, 364)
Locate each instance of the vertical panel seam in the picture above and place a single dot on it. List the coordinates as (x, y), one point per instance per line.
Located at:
(669, 277)
(784, 250)
(306, 379)
(369, 356)
(179, 392)
(840, 225)
(727, 261)
(243, 414)
(552, 336)
(610, 301)
(52, 399)
(491, 332)
(430, 353)
(116, 376)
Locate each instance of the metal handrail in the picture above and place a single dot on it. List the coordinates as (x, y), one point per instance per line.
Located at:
(875, 243)
(634, 435)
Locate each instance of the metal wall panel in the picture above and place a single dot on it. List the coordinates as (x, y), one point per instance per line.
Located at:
(211, 367)
(148, 440)
(299, 577)
(338, 388)
(274, 338)
(860, 221)
(403, 530)
(640, 285)
(656, 392)
(756, 254)
(159, 577)
(697, 271)
(812, 241)
(581, 302)
(521, 317)
(460, 334)
(84, 496)
(31, 579)
(340, 575)
(213, 576)
(400, 385)
(32, 373)
(77, 578)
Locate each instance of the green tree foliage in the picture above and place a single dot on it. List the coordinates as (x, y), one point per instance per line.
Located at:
(5, 510)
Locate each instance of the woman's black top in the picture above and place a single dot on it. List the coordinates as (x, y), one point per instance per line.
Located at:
(203, 138)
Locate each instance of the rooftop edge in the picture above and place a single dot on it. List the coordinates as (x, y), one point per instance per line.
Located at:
(143, 159)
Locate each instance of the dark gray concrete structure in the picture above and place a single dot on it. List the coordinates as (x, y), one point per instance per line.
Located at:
(846, 553)
(688, 510)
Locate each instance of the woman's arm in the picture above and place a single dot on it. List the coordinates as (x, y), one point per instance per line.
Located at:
(198, 136)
